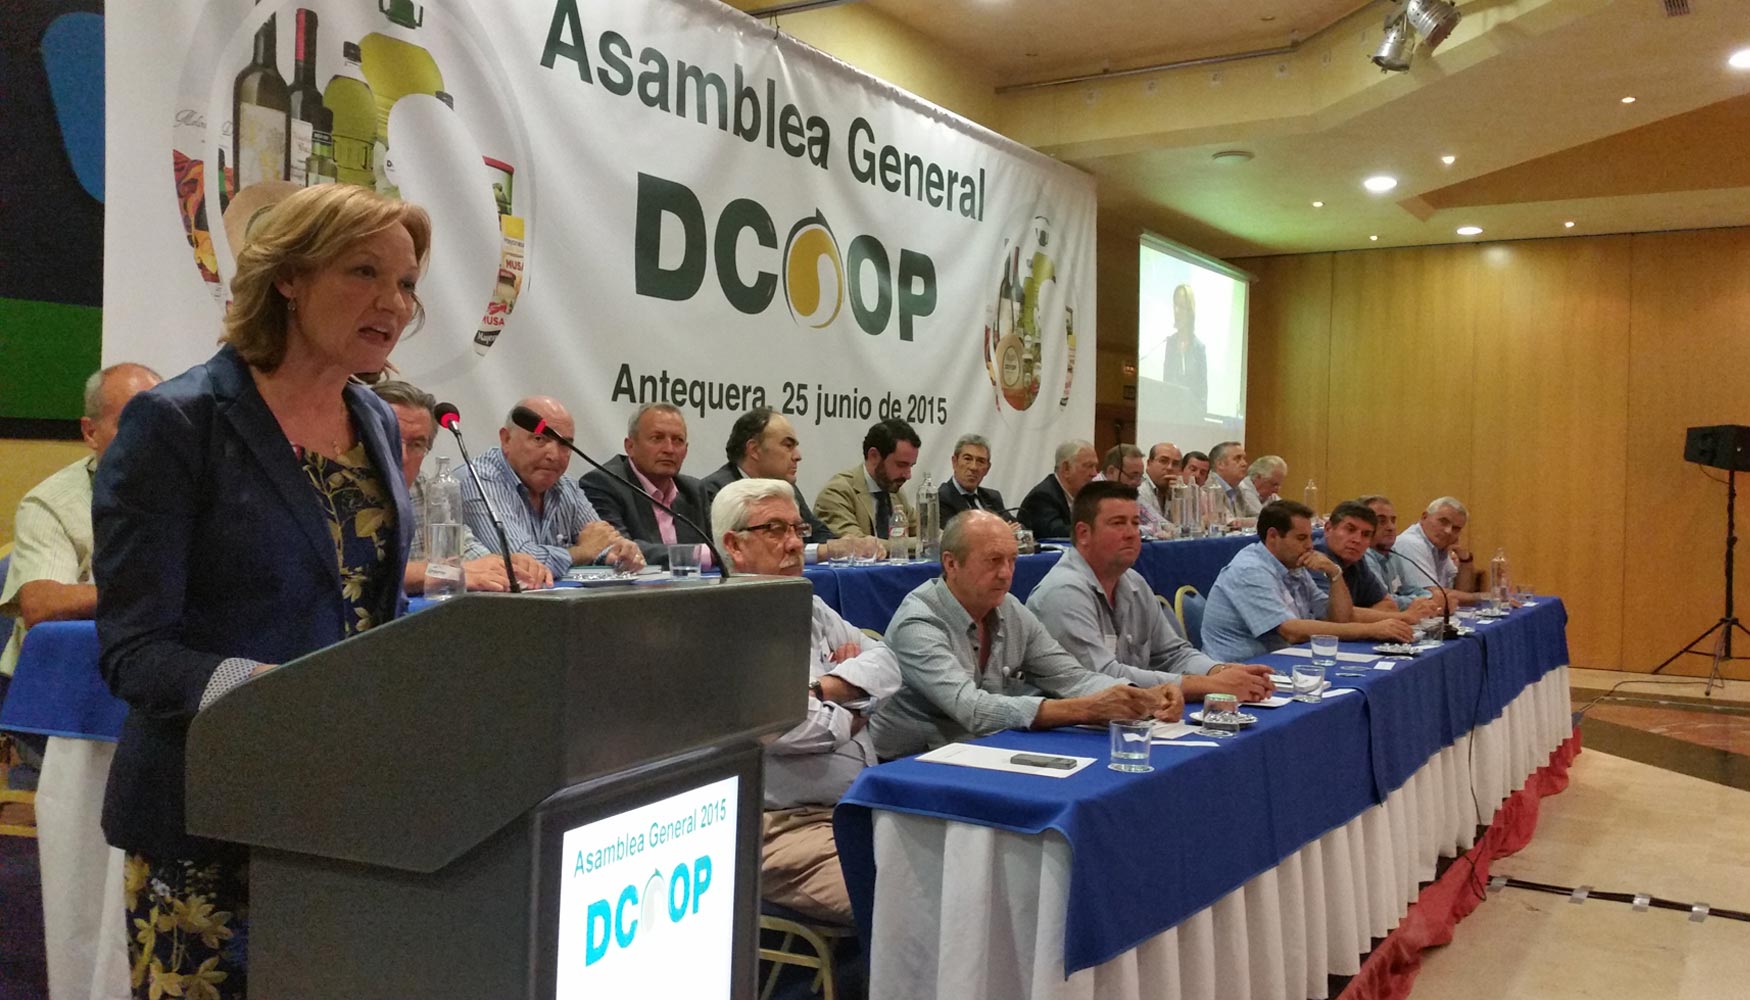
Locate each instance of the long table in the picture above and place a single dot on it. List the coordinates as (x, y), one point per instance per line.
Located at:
(1274, 856)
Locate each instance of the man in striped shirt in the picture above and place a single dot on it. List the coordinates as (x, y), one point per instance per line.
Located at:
(545, 514)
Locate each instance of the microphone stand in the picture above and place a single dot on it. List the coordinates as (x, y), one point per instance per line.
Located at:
(535, 424)
(1447, 629)
(451, 425)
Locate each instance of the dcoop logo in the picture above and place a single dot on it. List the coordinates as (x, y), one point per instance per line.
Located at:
(819, 280)
(663, 900)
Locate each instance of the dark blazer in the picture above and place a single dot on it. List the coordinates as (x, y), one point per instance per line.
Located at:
(210, 544)
(631, 511)
(1045, 511)
(729, 473)
(953, 501)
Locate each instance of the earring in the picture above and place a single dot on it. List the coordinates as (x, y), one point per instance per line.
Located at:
(291, 305)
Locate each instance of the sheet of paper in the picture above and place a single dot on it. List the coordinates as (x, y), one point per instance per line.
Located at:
(1341, 657)
(1276, 701)
(1386, 664)
(997, 759)
(1173, 730)
(1186, 743)
(1339, 691)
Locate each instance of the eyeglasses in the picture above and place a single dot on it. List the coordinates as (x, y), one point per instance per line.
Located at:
(421, 447)
(778, 529)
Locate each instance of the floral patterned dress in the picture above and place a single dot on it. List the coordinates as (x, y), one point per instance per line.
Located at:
(188, 920)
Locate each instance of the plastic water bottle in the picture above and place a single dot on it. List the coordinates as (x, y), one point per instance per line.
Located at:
(1500, 586)
(929, 521)
(443, 528)
(898, 545)
(1311, 499)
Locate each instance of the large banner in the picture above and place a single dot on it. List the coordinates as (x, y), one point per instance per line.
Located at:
(633, 200)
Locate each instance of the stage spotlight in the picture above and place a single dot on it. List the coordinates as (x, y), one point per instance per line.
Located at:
(1433, 20)
(1397, 47)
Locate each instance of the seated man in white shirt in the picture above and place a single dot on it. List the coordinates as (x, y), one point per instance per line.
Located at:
(1428, 552)
(1263, 484)
(760, 530)
(1102, 611)
(1265, 599)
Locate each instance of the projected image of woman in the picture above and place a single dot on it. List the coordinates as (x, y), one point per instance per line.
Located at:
(1185, 369)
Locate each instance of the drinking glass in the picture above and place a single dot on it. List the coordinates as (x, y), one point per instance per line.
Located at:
(1324, 650)
(1527, 596)
(683, 561)
(1131, 744)
(1309, 682)
(1221, 715)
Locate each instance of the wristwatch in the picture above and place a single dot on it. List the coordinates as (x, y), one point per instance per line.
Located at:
(815, 689)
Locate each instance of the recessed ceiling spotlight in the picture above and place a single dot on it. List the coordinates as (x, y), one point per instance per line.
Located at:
(1470, 230)
(1318, 204)
(1628, 100)
(1374, 238)
(1740, 59)
(1231, 157)
(1568, 224)
(1449, 159)
(1380, 183)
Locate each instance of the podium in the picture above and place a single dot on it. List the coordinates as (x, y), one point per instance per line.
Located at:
(532, 796)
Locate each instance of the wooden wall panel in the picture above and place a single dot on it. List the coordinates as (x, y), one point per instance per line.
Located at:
(1288, 367)
(1689, 353)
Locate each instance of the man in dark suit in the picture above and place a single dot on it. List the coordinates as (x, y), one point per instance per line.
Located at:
(763, 445)
(656, 447)
(963, 491)
(1046, 510)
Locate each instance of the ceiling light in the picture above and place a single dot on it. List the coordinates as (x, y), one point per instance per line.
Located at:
(1449, 160)
(1374, 238)
(1318, 204)
(1628, 100)
(1380, 183)
(1470, 230)
(1397, 47)
(1740, 59)
(1432, 19)
(1568, 224)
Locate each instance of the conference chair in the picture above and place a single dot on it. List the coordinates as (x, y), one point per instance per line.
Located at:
(819, 938)
(8, 759)
(1188, 605)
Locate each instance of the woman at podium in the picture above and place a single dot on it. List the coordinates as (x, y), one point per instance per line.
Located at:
(249, 512)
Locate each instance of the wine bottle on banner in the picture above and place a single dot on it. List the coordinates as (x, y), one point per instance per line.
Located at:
(306, 100)
(354, 107)
(320, 168)
(260, 108)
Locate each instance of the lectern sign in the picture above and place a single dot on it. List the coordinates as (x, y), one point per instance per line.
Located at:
(647, 899)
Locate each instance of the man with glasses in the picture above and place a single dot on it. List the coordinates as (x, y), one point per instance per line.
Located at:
(1160, 473)
(484, 568)
(760, 530)
(1124, 465)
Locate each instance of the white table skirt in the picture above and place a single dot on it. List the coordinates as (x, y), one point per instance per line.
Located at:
(991, 924)
(84, 925)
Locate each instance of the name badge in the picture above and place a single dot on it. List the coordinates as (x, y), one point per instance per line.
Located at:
(1111, 644)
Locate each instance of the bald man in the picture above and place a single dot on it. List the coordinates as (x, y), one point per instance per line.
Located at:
(545, 514)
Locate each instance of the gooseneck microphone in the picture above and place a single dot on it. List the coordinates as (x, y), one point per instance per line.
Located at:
(450, 419)
(536, 424)
(1447, 629)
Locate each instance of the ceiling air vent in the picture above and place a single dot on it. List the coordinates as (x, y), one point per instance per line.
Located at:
(1674, 8)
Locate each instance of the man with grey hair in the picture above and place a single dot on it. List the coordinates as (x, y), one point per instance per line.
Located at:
(50, 580)
(545, 514)
(761, 531)
(1045, 510)
(656, 446)
(974, 660)
(964, 490)
(1428, 551)
(1227, 469)
(484, 568)
(1263, 484)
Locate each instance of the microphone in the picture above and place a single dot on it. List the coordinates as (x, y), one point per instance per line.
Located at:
(450, 419)
(1447, 629)
(536, 424)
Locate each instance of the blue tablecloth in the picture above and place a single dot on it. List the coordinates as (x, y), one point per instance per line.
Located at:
(1148, 851)
(56, 689)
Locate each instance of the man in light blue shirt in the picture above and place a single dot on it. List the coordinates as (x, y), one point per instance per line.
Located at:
(1428, 551)
(1265, 599)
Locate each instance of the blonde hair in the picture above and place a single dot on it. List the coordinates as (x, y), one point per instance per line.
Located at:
(305, 233)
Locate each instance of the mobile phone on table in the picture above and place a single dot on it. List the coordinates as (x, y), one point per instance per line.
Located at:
(1043, 760)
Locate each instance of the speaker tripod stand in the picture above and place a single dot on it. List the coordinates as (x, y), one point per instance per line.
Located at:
(1721, 630)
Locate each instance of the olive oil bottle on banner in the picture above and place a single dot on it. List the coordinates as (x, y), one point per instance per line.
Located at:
(259, 110)
(396, 67)
(306, 100)
(348, 97)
